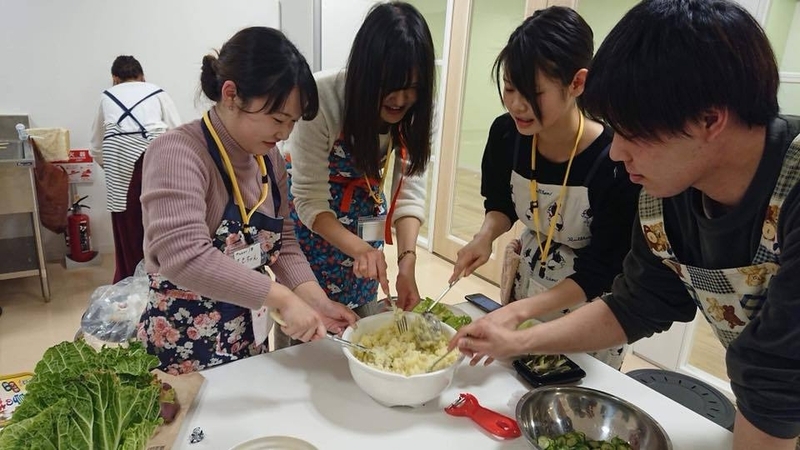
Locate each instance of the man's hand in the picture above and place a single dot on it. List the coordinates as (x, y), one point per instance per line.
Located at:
(509, 316)
(486, 339)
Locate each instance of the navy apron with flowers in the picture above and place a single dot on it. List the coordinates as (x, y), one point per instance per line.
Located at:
(729, 298)
(190, 332)
(350, 200)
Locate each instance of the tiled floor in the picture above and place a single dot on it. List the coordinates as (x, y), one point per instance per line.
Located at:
(28, 325)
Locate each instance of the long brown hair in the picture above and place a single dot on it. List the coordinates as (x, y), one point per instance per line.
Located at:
(392, 46)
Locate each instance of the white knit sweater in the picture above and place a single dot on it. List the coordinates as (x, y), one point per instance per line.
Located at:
(310, 145)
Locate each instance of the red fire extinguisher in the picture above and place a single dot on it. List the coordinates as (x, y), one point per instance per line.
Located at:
(79, 234)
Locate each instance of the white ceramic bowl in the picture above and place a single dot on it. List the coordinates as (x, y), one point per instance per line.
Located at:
(392, 389)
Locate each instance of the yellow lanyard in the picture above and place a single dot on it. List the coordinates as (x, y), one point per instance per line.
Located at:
(237, 194)
(543, 250)
(376, 195)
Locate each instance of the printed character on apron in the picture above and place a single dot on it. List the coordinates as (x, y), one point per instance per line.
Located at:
(190, 332)
(360, 206)
(729, 298)
(557, 220)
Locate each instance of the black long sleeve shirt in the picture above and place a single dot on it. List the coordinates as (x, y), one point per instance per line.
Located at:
(764, 361)
(612, 197)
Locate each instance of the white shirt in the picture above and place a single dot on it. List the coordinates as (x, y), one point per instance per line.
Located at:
(157, 113)
(310, 145)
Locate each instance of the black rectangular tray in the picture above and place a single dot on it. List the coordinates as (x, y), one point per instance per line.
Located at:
(575, 373)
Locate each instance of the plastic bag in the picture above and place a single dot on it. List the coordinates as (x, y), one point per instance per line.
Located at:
(114, 310)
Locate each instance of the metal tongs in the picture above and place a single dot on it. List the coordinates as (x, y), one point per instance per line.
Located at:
(347, 343)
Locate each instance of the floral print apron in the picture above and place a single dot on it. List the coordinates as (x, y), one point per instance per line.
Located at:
(350, 200)
(729, 298)
(190, 332)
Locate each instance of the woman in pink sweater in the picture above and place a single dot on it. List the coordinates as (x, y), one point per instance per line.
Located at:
(214, 198)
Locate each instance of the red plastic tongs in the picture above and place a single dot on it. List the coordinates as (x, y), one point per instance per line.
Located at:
(493, 422)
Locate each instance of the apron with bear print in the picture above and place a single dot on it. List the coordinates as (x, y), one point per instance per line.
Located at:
(729, 298)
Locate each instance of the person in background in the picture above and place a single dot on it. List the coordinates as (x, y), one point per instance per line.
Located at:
(547, 165)
(690, 88)
(379, 107)
(214, 202)
(132, 113)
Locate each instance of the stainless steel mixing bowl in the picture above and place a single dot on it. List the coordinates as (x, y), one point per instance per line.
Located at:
(554, 410)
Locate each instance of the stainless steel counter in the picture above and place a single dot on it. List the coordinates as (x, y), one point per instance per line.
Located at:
(20, 256)
(15, 153)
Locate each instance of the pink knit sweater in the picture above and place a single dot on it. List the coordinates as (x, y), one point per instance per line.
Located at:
(183, 198)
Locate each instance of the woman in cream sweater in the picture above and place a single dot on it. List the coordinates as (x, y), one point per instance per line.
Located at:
(379, 107)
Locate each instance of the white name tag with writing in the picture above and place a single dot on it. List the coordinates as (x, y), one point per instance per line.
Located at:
(249, 256)
(371, 228)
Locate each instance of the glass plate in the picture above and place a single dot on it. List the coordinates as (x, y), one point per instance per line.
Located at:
(275, 443)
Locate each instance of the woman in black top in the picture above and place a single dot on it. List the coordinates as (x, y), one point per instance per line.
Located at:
(547, 165)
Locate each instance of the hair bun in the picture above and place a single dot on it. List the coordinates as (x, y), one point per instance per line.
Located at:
(209, 82)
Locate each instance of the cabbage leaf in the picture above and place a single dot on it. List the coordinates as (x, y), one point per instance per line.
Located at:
(83, 399)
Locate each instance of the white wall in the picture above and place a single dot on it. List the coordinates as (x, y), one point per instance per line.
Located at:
(758, 8)
(297, 22)
(57, 59)
(341, 20)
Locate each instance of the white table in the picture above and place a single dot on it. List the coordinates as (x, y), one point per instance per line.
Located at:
(307, 392)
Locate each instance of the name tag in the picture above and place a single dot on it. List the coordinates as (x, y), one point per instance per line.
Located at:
(249, 256)
(371, 228)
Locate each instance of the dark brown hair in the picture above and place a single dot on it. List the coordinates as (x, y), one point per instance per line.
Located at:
(126, 68)
(262, 62)
(555, 42)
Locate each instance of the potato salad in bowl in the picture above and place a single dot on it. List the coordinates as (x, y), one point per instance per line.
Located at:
(407, 353)
(395, 370)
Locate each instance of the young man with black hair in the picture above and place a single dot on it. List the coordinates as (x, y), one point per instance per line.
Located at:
(690, 88)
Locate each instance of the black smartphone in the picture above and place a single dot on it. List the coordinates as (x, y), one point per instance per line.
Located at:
(541, 370)
(483, 302)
